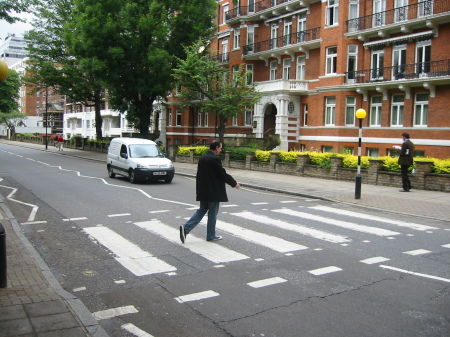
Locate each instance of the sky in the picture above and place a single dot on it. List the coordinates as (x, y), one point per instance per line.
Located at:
(18, 28)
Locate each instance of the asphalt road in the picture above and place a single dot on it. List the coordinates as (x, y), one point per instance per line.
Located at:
(287, 266)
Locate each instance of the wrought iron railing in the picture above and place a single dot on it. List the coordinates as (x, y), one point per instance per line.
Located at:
(253, 8)
(282, 41)
(222, 58)
(400, 72)
(399, 14)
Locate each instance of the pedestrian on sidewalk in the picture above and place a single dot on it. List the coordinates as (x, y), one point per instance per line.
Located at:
(60, 143)
(405, 160)
(210, 187)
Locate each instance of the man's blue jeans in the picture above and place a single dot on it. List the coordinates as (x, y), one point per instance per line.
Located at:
(213, 209)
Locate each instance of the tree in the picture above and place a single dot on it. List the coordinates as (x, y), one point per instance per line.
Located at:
(133, 44)
(17, 6)
(212, 88)
(51, 64)
(9, 92)
(11, 120)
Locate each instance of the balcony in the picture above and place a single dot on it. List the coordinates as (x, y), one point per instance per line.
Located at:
(288, 44)
(221, 58)
(402, 19)
(282, 86)
(264, 9)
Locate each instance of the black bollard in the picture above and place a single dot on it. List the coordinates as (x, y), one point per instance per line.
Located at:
(3, 279)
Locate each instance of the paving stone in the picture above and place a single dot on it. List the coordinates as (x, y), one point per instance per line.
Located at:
(54, 322)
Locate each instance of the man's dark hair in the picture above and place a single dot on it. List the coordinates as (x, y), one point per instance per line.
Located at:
(214, 144)
(405, 134)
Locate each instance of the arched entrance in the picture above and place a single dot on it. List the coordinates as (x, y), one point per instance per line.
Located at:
(270, 114)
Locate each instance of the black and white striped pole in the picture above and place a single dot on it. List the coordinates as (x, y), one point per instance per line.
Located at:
(360, 114)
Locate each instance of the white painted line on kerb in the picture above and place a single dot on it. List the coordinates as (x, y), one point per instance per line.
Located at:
(321, 235)
(210, 251)
(417, 252)
(373, 217)
(134, 330)
(266, 282)
(326, 270)
(416, 274)
(196, 296)
(374, 260)
(116, 215)
(129, 255)
(114, 312)
(272, 242)
(342, 224)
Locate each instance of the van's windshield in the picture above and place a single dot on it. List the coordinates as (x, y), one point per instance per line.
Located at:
(145, 151)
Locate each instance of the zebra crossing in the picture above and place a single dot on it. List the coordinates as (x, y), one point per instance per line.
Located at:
(141, 262)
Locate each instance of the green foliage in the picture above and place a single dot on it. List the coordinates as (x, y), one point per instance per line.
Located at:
(186, 150)
(291, 156)
(9, 92)
(263, 156)
(14, 6)
(239, 153)
(351, 161)
(442, 166)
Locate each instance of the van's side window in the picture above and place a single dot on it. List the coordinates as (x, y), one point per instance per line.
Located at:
(123, 149)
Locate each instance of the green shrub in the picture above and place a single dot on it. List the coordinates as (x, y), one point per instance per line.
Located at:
(239, 153)
(441, 166)
(186, 150)
(263, 156)
(291, 156)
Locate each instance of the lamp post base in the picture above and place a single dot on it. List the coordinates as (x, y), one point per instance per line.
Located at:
(358, 186)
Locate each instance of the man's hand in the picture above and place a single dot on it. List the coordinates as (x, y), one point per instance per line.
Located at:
(237, 185)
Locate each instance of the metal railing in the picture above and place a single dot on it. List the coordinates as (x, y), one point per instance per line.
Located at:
(282, 41)
(400, 72)
(222, 58)
(254, 8)
(399, 14)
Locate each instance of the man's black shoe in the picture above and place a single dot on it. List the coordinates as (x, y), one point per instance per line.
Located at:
(182, 234)
(403, 191)
(217, 238)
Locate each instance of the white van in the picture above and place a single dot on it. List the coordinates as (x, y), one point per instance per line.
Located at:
(138, 159)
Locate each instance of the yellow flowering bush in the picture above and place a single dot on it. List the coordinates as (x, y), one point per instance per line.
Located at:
(199, 150)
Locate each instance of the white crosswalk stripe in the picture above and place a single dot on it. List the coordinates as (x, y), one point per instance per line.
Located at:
(321, 235)
(373, 217)
(343, 224)
(213, 252)
(136, 260)
(269, 241)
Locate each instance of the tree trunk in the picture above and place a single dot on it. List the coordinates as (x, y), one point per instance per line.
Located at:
(221, 127)
(98, 115)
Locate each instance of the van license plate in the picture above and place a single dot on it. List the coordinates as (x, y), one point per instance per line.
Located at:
(159, 173)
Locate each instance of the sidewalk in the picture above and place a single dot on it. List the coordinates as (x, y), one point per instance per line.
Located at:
(34, 302)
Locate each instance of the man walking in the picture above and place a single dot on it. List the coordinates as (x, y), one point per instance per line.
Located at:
(210, 187)
(405, 160)
(60, 143)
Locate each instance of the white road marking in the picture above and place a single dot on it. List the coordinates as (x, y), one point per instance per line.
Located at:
(74, 219)
(266, 282)
(321, 235)
(287, 201)
(227, 205)
(197, 296)
(34, 208)
(416, 274)
(446, 246)
(116, 215)
(372, 217)
(326, 270)
(417, 252)
(210, 251)
(129, 255)
(33, 222)
(120, 282)
(259, 203)
(79, 289)
(374, 260)
(161, 211)
(114, 312)
(343, 224)
(272, 242)
(134, 330)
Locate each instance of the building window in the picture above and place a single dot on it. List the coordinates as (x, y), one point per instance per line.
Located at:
(327, 149)
(235, 121)
(249, 74)
(251, 6)
(352, 62)
(398, 102)
(305, 114)
(273, 70)
(88, 124)
(377, 63)
(287, 31)
(379, 13)
(178, 117)
(224, 50)
(206, 119)
(199, 117)
(425, 7)
(250, 38)
(287, 68)
(169, 117)
(236, 38)
(301, 67)
(401, 10)
(349, 150)
(274, 36)
(330, 110)
(248, 115)
(372, 152)
(332, 12)
(225, 9)
(375, 111)
(421, 110)
(350, 111)
(301, 27)
(423, 57)
(331, 60)
(399, 62)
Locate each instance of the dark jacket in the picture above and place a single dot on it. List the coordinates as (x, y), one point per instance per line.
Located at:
(406, 153)
(211, 179)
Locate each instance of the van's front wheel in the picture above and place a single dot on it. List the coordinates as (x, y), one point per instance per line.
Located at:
(111, 173)
(132, 176)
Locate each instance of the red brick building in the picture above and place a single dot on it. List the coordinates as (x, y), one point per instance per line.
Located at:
(318, 61)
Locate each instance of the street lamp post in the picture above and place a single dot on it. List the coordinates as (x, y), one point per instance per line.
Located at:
(46, 118)
(360, 114)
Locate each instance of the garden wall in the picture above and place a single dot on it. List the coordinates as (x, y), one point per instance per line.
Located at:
(422, 179)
